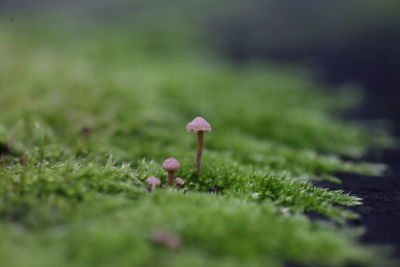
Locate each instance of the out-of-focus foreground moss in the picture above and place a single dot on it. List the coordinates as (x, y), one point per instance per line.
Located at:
(87, 115)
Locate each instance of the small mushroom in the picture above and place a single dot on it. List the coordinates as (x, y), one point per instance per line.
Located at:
(179, 181)
(170, 240)
(174, 242)
(152, 182)
(199, 125)
(171, 165)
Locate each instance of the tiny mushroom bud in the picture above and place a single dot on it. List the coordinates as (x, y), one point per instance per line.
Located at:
(152, 182)
(179, 181)
(167, 239)
(199, 125)
(171, 165)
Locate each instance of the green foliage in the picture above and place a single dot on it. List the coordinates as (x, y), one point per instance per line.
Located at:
(88, 118)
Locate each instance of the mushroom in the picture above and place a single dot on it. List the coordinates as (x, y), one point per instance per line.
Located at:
(152, 182)
(199, 125)
(171, 165)
(170, 240)
(179, 181)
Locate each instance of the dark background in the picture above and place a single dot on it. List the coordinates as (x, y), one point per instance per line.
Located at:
(354, 42)
(341, 41)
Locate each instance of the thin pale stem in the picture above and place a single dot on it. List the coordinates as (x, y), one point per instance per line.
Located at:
(151, 187)
(200, 138)
(171, 177)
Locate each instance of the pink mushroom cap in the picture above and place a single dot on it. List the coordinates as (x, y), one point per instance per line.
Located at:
(198, 124)
(179, 181)
(153, 181)
(171, 164)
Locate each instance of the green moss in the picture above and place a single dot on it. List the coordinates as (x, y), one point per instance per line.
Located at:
(80, 196)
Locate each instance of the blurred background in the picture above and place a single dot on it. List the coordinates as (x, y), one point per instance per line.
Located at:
(353, 42)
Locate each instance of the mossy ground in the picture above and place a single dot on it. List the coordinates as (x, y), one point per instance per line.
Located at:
(87, 115)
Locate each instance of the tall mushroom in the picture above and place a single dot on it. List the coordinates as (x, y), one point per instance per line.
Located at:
(171, 165)
(199, 125)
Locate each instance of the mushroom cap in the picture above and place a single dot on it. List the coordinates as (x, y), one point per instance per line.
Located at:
(179, 181)
(153, 181)
(198, 124)
(171, 164)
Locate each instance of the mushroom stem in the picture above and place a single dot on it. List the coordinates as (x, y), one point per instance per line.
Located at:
(171, 178)
(200, 138)
(150, 187)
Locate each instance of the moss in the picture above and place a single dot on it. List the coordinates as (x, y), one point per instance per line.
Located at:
(94, 116)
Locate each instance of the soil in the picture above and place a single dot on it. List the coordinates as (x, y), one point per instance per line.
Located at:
(380, 212)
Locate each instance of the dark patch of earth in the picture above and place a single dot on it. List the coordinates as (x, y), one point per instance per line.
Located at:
(380, 212)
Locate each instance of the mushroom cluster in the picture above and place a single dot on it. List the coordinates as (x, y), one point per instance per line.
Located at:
(198, 125)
